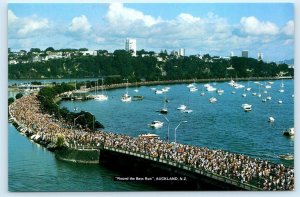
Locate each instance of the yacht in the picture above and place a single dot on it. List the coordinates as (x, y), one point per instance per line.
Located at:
(182, 107)
(100, 97)
(156, 124)
(187, 111)
(269, 97)
(126, 97)
(213, 100)
(149, 136)
(211, 89)
(280, 101)
(248, 89)
(287, 157)
(289, 132)
(247, 107)
(220, 91)
(268, 86)
(158, 92)
(193, 89)
(271, 119)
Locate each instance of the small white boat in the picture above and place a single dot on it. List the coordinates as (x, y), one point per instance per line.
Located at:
(149, 136)
(259, 95)
(211, 89)
(281, 90)
(181, 107)
(202, 94)
(269, 97)
(233, 92)
(213, 100)
(244, 95)
(153, 89)
(280, 101)
(166, 89)
(158, 92)
(126, 98)
(193, 89)
(268, 86)
(187, 111)
(220, 91)
(271, 119)
(164, 111)
(247, 107)
(286, 157)
(270, 82)
(136, 90)
(265, 92)
(248, 89)
(264, 100)
(101, 97)
(254, 93)
(156, 124)
(190, 85)
(289, 132)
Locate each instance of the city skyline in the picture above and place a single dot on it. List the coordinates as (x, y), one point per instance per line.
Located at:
(217, 29)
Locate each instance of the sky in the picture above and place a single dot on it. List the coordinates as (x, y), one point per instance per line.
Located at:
(199, 28)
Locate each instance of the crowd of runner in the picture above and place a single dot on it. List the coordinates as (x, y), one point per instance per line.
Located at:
(27, 112)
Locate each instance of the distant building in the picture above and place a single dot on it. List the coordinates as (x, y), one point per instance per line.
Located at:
(245, 53)
(181, 52)
(260, 56)
(130, 45)
(91, 53)
(231, 54)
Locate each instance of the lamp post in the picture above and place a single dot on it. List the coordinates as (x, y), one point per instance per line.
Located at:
(176, 129)
(75, 120)
(168, 126)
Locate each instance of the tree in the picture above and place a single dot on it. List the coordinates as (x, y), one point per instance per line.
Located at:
(11, 100)
(35, 50)
(60, 141)
(51, 49)
(19, 95)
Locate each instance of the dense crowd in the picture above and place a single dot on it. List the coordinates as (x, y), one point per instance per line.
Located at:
(239, 167)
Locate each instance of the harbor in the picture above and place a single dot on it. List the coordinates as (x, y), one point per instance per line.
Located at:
(180, 138)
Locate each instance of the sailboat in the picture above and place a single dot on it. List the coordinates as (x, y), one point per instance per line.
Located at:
(164, 110)
(126, 97)
(100, 97)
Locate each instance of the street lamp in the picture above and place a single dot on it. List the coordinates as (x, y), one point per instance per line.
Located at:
(168, 126)
(176, 129)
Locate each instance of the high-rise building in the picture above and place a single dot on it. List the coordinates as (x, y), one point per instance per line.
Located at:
(260, 56)
(245, 53)
(130, 45)
(181, 52)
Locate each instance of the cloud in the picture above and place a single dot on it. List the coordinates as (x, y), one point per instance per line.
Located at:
(11, 17)
(80, 24)
(288, 29)
(251, 25)
(27, 26)
(32, 24)
(119, 15)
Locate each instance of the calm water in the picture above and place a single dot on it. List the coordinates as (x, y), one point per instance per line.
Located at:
(220, 125)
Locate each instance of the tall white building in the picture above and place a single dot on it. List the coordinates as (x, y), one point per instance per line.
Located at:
(181, 52)
(130, 45)
(260, 56)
